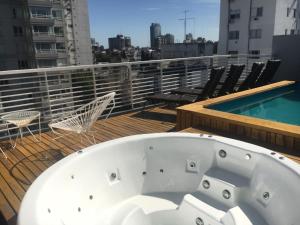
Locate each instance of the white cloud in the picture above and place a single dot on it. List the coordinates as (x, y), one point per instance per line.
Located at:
(152, 9)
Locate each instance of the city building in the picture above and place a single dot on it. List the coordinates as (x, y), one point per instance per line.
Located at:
(248, 26)
(96, 49)
(120, 42)
(46, 33)
(169, 39)
(16, 45)
(78, 31)
(155, 32)
(189, 38)
(127, 42)
(166, 39)
(183, 50)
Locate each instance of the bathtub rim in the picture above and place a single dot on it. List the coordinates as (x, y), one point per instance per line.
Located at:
(28, 203)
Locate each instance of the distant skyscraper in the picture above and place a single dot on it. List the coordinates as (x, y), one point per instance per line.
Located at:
(155, 32)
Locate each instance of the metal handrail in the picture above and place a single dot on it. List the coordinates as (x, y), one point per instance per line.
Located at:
(54, 91)
(94, 66)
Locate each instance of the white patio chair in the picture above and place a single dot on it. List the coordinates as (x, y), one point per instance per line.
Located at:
(82, 119)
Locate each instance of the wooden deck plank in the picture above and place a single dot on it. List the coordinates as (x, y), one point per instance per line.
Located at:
(6, 210)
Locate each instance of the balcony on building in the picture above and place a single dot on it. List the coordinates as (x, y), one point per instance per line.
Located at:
(41, 15)
(46, 53)
(42, 3)
(43, 34)
(45, 50)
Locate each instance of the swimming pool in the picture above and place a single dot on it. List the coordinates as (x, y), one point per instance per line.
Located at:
(281, 105)
(268, 115)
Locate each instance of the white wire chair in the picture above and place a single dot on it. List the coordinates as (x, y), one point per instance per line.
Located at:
(81, 120)
(22, 119)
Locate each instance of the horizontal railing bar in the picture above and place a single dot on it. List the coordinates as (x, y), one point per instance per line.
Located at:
(54, 69)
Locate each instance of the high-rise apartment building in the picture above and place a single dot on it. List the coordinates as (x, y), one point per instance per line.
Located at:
(155, 32)
(44, 33)
(248, 26)
(16, 47)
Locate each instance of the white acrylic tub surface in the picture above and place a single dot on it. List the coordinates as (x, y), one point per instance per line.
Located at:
(166, 179)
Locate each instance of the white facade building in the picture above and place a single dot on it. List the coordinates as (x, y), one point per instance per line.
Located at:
(248, 26)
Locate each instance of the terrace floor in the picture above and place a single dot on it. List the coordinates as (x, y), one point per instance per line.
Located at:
(30, 159)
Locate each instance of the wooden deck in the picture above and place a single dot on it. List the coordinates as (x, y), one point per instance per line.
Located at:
(30, 159)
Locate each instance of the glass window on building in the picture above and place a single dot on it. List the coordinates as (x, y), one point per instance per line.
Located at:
(60, 46)
(18, 31)
(255, 34)
(59, 31)
(23, 64)
(44, 63)
(14, 12)
(233, 52)
(41, 29)
(234, 35)
(57, 14)
(259, 11)
(44, 46)
(293, 32)
(254, 52)
(40, 12)
(235, 14)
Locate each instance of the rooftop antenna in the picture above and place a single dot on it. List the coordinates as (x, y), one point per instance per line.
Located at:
(185, 21)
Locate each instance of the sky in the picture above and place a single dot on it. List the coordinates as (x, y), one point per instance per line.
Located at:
(134, 17)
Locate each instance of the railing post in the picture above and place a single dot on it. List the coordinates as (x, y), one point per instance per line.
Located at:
(184, 78)
(129, 70)
(159, 79)
(94, 82)
(48, 93)
(211, 62)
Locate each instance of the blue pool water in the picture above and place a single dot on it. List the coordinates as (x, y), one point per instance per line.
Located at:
(281, 105)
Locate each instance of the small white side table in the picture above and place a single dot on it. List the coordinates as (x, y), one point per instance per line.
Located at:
(22, 119)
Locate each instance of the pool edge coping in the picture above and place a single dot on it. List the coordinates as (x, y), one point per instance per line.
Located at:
(256, 123)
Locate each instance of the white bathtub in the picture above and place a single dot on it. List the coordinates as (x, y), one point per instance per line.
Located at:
(166, 179)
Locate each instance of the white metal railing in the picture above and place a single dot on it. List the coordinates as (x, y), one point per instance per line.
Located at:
(38, 33)
(53, 91)
(46, 51)
(59, 34)
(41, 16)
